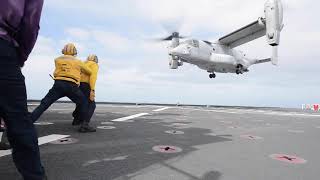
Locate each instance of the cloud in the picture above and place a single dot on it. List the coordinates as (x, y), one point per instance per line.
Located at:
(112, 41)
(78, 33)
(38, 67)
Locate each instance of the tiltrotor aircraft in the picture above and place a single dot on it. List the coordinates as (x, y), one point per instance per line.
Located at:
(219, 56)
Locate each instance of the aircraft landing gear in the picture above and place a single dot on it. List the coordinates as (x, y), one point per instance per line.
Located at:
(213, 75)
(239, 69)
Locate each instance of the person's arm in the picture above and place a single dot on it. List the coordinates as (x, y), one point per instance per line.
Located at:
(55, 72)
(85, 68)
(93, 80)
(28, 31)
(93, 77)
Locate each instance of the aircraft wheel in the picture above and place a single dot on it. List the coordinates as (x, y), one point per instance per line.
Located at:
(238, 72)
(211, 76)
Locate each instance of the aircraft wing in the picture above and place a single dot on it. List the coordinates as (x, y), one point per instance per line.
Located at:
(245, 34)
(259, 61)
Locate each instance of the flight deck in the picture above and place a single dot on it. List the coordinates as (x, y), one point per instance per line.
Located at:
(151, 142)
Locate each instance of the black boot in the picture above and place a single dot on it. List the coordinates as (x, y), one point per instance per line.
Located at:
(4, 146)
(76, 122)
(85, 128)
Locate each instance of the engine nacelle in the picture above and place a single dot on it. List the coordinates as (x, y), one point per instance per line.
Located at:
(273, 10)
(175, 42)
(174, 62)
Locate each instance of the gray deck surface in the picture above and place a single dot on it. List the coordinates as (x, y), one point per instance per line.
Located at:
(212, 146)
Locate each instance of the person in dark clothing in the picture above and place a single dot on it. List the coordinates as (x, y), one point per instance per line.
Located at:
(19, 26)
(85, 89)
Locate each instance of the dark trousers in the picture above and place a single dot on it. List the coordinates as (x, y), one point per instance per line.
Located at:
(3, 137)
(62, 89)
(85, 88)
(13, 108)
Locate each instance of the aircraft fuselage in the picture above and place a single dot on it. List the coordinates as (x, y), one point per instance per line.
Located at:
(212, 58)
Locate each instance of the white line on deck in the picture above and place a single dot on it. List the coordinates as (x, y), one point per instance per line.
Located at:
(1, 136)
(161, 109)
(41, 141)
(33, 104)
(129, 117)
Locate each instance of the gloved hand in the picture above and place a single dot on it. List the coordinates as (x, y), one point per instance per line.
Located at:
(92, 95)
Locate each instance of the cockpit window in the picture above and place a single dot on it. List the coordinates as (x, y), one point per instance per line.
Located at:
(192, 42)
(195, 43)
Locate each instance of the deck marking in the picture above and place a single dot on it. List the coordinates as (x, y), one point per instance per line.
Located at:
(41, 141)
(251, 137)
(42, 123)
(33, 104)
(1, 136)
(167, 149)
(106, 127)
(65, 141)
(288, 159)
(295, 131)
(129, 117)
(242, 111)
(161, 109)
(120, 158)
(174, 132)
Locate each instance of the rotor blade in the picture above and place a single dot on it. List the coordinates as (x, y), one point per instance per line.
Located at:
(168, 38)
(208, 42)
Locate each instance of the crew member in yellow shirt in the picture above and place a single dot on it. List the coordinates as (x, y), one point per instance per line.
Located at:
(87, 86)
(67, 76)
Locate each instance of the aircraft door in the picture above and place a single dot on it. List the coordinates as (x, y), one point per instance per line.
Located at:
(194, 50)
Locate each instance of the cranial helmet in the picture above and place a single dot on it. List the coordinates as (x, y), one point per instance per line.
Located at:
(93, 58)
(70, 49)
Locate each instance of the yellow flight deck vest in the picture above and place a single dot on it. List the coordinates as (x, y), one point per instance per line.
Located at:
(90, 78)
(68, 68)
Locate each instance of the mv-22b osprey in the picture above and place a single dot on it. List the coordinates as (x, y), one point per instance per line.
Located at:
(219, 56)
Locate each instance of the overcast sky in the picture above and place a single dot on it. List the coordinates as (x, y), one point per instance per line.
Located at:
(133, 69)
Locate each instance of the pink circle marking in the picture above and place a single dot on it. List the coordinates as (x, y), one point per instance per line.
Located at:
(288, 158)
(167, 149)
(251, 137)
